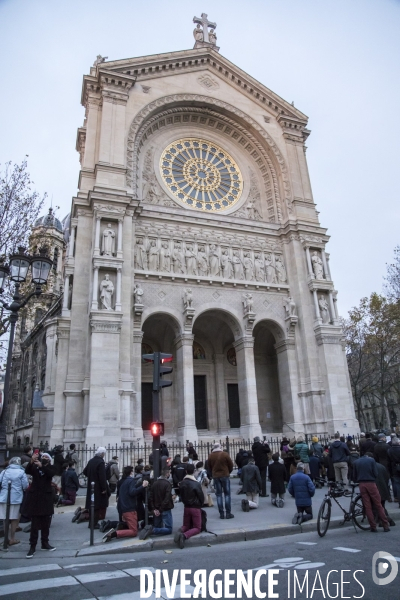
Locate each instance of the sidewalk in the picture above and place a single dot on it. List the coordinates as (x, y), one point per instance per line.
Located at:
(267, 521)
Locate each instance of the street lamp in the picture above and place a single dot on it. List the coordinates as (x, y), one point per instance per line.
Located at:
(17, 271)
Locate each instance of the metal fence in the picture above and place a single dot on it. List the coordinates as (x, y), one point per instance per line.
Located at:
(129, 454)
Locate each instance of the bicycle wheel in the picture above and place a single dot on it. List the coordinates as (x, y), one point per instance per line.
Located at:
(358, 513)
(324, 517)
(82, 481)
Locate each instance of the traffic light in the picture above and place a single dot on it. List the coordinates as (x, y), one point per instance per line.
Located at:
(157, 429)
(164, 358)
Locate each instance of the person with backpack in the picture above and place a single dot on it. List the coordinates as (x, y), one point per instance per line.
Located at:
(193, 499)
(112, 473)
(302, 453)
(178, 473)
(72, 456)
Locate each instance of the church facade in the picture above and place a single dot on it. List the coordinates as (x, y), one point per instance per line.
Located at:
(194, 232)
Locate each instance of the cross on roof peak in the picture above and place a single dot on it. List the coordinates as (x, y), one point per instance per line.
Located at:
(201, 33)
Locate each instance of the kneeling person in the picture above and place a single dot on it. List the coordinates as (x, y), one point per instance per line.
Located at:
(302, 488)
(252, 485)
(193, 499)
(162, 504)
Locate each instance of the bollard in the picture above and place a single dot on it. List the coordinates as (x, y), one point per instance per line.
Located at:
(7, 519)
(92, 514)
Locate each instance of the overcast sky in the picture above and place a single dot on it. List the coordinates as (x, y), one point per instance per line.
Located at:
(338, 60)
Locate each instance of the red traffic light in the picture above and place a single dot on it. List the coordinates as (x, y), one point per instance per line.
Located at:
(157, 429)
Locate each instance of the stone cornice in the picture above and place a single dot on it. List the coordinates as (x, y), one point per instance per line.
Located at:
(243, 342)
(112, 85)
(161, 65)
(184, 339)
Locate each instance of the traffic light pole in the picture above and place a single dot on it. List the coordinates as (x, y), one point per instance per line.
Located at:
(156, 415)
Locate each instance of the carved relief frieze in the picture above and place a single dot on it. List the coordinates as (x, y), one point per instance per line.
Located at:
(152, 192)
(194, 252)
(252, 207)
(142, 126)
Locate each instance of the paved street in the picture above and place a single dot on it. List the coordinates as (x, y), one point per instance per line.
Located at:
(117, 578)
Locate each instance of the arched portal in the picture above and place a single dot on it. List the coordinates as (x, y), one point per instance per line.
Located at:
(267, 378)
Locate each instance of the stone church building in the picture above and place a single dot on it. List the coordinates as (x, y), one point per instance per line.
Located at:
(194, 232)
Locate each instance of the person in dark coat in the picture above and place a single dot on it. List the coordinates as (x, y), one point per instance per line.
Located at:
(192, 452)
(367, 446)
(251, 485)
(381, 451)
(95, 471)
(287, 456)
(39, 501)
(193, 499)
(261, 453)
(394, 467)
(314, 470)
(178, 473)
(238, 460)
(27, 455)
(277, 475)
(59, 464)
(302, 488)
(69, 486)
(382, 483)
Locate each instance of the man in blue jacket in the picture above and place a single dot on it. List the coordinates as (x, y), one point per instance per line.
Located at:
(302, 488)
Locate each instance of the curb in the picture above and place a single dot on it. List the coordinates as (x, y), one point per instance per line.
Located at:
(211, 539)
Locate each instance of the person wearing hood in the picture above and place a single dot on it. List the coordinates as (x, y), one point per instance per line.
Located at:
(95, 471)
(39, 504)
(261, 453)
(221, 466)
(19, 482)
(339, 453)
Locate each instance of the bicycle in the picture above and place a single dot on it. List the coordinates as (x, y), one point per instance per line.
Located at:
(82, 480)
(356, 513)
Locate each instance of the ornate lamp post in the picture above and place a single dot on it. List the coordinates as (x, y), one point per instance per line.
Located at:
(17, 271)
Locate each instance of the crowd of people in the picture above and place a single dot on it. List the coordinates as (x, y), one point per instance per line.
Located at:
(40, 481)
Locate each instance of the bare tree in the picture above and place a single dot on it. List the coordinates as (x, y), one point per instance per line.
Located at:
(19, 208)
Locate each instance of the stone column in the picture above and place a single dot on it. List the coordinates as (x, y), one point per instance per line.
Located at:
(333, 314)
(292, 415)
(220, 389)
(119, 240)
(336, 313)
(65, 295)
(246, 373)
(91, 131)
(326, 271)
(71, 246)
(96, 251)
(62, 352)
(118, 294)
(309, 265)
(317, 313)
(95, 303)
(184, 383)
(136, 414)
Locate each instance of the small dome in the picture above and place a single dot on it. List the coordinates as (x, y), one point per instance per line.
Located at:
(49, 220)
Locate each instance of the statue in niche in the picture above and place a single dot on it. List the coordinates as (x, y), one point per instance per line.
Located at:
(248, 267)
(106, 292)
(188, 298)
(165, 258)
(248, 303)
(214, 261)
(270, 269)
(191, 260)
(259, 267)
(280, 269)
(290, 306)
(108, 241)
(179, 259)
(231, 356)
(324, 309)
(138, 294)
(226, 264)
(237, 266)
(202, 262)
(140, 255)
(198, 33)
(212, 37)
(153, 256)
(317, 265)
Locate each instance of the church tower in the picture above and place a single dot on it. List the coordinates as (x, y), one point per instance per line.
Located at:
(194, 232)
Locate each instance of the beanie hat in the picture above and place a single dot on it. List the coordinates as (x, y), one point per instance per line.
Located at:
(216, 446)
(300, 465)
(315, 439)
(257, 439)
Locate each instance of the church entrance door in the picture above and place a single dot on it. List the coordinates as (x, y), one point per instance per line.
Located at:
(200, 401)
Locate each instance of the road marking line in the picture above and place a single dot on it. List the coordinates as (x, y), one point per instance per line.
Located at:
(82, 565)
(136, 572)
(346, 549)
(395, 557)
(36, 584)
(22, 570)
(89, 577)
(307, 543)
(115, 562)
